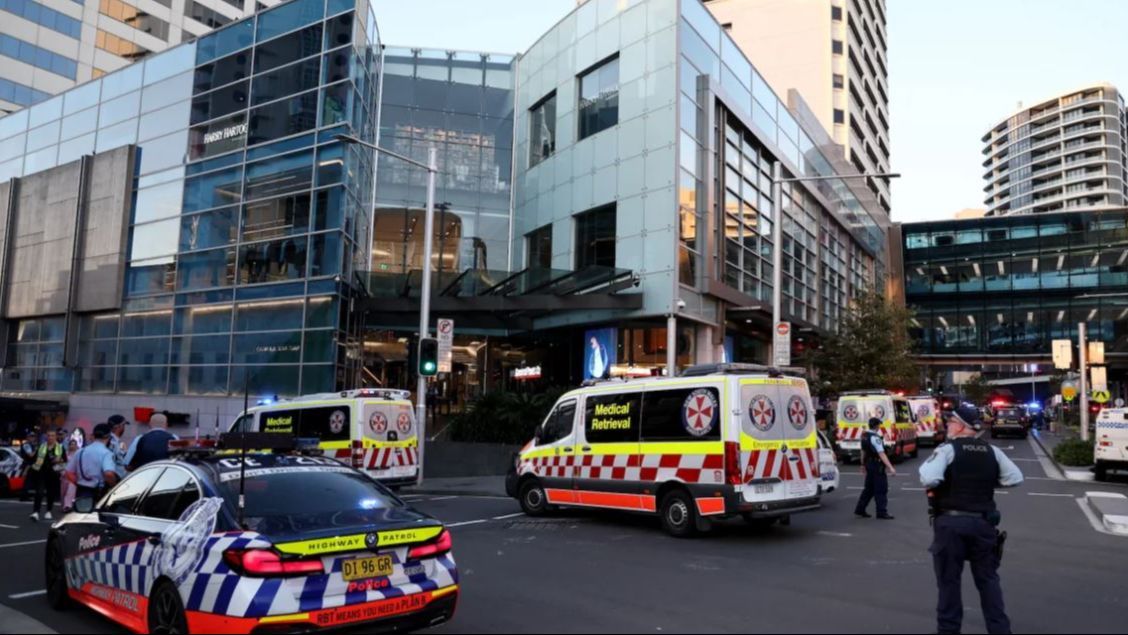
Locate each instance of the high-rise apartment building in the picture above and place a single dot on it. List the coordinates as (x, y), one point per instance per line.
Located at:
(834, 53)
(49, 46)
(1063, 154)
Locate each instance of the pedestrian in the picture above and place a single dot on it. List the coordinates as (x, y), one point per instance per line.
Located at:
(961, 477)
(151, 446)
(28, 452)
(92, 469)
(49, 462)
(877, 470)
(117, 446)
(68, 488)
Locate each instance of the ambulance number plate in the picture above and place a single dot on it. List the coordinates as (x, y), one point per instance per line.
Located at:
(367, 568)
(764, 489)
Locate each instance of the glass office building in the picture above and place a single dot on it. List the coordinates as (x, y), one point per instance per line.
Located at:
(994, 293)
(245, 218)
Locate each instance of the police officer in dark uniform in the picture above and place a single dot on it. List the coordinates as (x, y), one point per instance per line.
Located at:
(877, 469)
(961, 477)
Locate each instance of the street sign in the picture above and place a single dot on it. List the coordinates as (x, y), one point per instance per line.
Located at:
(1098, 378)
(446, 341)
(1101, 396)
(1063, 354)
(1119, 403)
(782, 345)
(1096, 353)
(1069, 390)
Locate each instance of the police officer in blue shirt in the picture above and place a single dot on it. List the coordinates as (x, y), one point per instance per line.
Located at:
(961, 477)
(877, 469)
(92, 469)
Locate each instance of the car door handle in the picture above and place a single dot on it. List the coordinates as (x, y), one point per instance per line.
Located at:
(568, 450)
(586, 448)
(154, 539)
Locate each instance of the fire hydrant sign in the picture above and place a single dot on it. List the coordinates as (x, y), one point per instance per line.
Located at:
(782, 346)
(446, 341)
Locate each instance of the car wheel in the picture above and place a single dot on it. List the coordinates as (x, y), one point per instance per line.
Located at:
(5, 486)
(679, 515)
(1102, 472)
(55, 574)
(166, 611)
(533, 499)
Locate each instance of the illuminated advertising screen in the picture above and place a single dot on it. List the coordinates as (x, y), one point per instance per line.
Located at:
(600, 350)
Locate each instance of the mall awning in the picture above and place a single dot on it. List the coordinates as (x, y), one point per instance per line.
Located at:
(496, 300)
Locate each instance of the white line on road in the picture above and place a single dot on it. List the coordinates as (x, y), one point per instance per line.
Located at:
(29, 594)
(23, 544)
(913, 489)
(1093, 520)
(1025, 460)
(468, 522)
(836, 534)
(8, 527)
(508, 516)
(441, 498)
(1051, 495)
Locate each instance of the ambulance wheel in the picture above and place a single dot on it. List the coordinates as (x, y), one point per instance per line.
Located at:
(916, 449)
(1101, 472)
(533, 499)
(166, 610)
(679, 514)
(56, 577)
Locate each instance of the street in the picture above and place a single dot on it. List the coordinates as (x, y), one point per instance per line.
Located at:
(827, 572)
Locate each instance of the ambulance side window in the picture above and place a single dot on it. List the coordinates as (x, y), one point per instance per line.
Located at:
(559, 424)
(689, 414)
(613, 418)
(904, 411)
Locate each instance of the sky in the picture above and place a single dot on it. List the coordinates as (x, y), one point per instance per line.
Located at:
(957, 68)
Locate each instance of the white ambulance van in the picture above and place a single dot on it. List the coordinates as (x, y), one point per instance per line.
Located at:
(1111, 451)
(719, 441)
(930, 426)
(898, 423)
(370, 429)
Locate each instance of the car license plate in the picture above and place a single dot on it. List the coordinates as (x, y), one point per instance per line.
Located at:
(851, 445)
(366, 568)
(764, 489)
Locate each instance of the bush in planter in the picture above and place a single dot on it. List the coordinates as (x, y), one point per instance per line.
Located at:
(503, 417)
(1074, 453)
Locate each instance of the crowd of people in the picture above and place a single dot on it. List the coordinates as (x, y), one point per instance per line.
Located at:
(60, 466)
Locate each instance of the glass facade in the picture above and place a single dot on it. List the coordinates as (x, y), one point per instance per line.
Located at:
(249, 216)
(1011, 285)
(461, 104)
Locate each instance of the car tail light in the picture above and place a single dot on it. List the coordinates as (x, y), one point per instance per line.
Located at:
(733, 474)
(437, 547)
(358, 454)
(267, 563)
(1106, 444)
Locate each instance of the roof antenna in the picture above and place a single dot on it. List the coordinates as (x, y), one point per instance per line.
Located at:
(243, 454)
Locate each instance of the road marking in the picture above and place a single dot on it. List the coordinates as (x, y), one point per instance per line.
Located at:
(23, 544)
(8, 527)
(29, 594)
(468, 522)
(1053, 495)
(441, 498)
(836, 534)
(913, 489)
(1093, 520)
(508, 516)
(1048, 466)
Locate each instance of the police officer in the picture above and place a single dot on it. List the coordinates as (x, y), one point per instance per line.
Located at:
(877, 469)
(961, 477)
(92, 468)
(117, 431)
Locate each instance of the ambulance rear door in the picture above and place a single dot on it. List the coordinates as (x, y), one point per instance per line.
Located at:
(388, 437)
(852, 420)
(761, 439)
(800, 440)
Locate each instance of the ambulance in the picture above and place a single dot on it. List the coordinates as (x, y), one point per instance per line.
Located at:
(720, 441)
(898, 423)
(1112, 442)
(930, 424)
(373, 430)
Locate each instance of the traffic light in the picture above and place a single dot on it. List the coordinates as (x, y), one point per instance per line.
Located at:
(428, 357)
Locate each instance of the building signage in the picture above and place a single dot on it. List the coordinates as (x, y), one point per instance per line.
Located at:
(446, 342)
(528, 373)
(230, 132)
(1063, 354)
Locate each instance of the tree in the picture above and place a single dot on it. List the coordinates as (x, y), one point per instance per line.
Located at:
(872, 349)
(977, 389)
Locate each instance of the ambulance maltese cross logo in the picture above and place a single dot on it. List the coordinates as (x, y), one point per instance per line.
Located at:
(378, 423)
(403, 423)
(762, 411)
(797, 412)
(851, 413)
(699, 412)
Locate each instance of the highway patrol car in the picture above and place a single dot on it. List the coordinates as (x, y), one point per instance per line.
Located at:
(317, 545)
(719, 441)
(898, 423)
(1112, 442)
(930, 425)
(371, 429)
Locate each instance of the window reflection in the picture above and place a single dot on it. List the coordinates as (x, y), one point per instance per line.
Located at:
(273, 261)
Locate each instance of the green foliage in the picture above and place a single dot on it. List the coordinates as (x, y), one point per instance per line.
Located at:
(1074, 453)
(872, 349)
(977, 390)
(503, 417)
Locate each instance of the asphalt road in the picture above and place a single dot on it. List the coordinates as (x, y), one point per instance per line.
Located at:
(827, 572)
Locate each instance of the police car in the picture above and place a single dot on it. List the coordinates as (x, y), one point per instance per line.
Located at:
(315, 545)
(1112, 442)
(11, 468)
(898, 423)
(719, 441)
(372, 429)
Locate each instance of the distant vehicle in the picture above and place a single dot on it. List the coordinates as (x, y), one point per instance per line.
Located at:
(898, 427)
(370, 429)
(720, 441)
(929, 420)
(828, 465)
(318, 545)
(1111, 451)
(1010, 420)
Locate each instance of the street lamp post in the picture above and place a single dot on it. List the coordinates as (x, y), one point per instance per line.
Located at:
(432, 167)
(777, 236)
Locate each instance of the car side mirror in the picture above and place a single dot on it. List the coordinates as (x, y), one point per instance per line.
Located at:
(84, 505)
